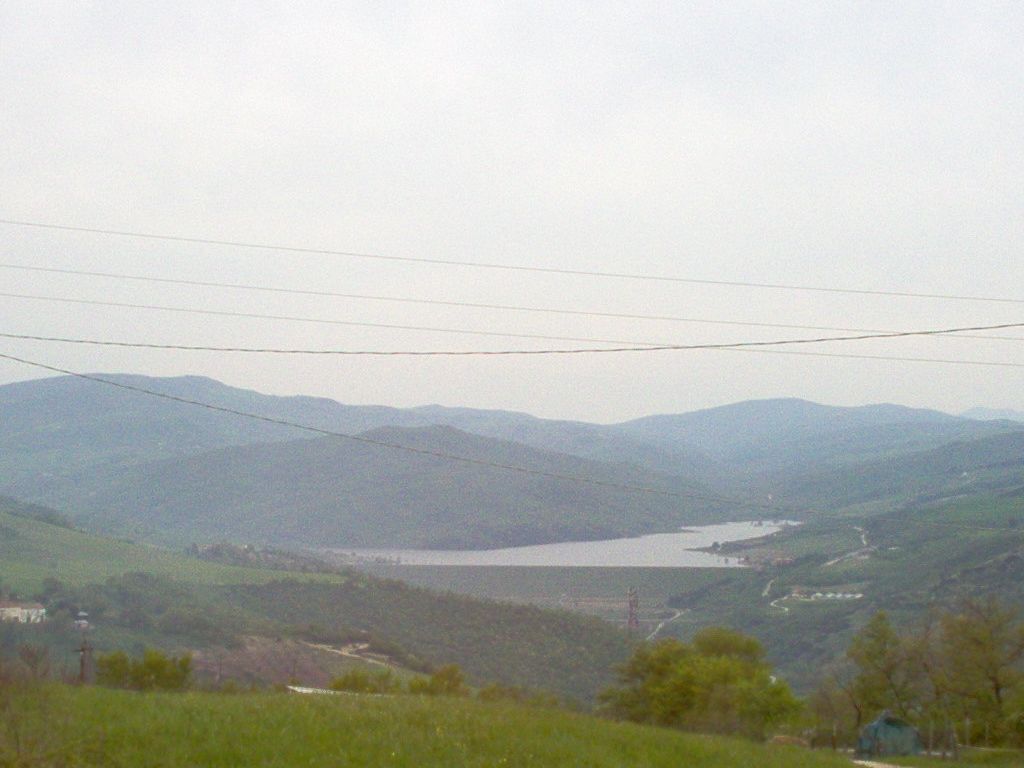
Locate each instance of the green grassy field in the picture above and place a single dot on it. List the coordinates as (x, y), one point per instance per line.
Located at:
(97, 727)
(31, 551)
(968, 759)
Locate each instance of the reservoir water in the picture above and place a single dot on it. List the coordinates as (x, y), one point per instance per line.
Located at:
(658, 550)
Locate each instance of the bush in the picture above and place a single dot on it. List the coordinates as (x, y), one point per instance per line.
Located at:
(361, 681)
(446, 681)
(154, 671)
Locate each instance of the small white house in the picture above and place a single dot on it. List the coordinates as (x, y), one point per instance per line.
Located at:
(23, 613)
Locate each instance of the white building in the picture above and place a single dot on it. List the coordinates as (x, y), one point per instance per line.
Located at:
(23, 613)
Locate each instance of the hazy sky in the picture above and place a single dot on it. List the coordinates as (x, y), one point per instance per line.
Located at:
(860, 145)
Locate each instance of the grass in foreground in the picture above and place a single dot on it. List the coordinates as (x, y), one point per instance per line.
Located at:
(98, 727)
(994, 758)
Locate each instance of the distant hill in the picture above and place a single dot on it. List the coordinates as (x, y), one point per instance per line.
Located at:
(591, 441)
(52, 428)
(115, 460)
(961, 468)
(332, 492)
(765, 439)
(993, 414)
(59, 425)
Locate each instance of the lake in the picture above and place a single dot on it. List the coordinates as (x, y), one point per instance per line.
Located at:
(657, 550)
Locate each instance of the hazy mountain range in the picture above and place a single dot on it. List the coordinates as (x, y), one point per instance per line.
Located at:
(128, 463)
(991, 414)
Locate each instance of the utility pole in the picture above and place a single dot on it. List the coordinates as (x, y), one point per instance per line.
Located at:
(84, 650)
(84, 661)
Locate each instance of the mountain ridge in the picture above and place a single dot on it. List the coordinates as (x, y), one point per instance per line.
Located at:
(104, 456)
(332, 492)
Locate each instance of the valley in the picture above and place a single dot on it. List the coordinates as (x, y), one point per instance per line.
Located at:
(898, 510)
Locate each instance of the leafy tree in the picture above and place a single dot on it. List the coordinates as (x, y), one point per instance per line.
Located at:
(983, 645)
(719, 682)
(965, 664)
(980, 651)
(720, 641)
(889, 675)
(643, 680)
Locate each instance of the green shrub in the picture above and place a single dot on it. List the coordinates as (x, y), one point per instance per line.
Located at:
(361, 681)
(154, 671)
(446, 681)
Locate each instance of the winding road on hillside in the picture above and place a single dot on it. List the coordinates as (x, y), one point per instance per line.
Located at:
(777, 603)
(356, 651)
(864, 550)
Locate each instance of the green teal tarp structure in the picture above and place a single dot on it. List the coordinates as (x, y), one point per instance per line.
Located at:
(888, 735)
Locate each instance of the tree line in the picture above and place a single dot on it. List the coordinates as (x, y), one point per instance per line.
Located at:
(960, 672)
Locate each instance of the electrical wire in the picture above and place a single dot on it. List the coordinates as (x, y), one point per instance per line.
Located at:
(634, 346)
(578, 350)
(362, 438)
(509, 267)
(459, 304)
(297, 319)
(891, 358)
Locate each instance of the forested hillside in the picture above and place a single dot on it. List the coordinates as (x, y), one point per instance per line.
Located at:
(332, 492)
(142, 595)
(122, 462)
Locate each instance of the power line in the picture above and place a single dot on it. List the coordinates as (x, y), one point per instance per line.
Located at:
(634, 346)
(508, 267)
(460, 304)
(891, 358)
(320, 320)
(406, 448)
(578, 350)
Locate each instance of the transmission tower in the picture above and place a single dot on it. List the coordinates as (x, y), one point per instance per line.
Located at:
(633, 596)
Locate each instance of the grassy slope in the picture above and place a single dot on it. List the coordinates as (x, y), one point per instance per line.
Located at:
(966, 467)
(114, 728)
(968, 758)
(31, 551)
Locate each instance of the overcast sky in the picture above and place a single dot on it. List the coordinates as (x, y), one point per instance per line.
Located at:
(855, 145)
